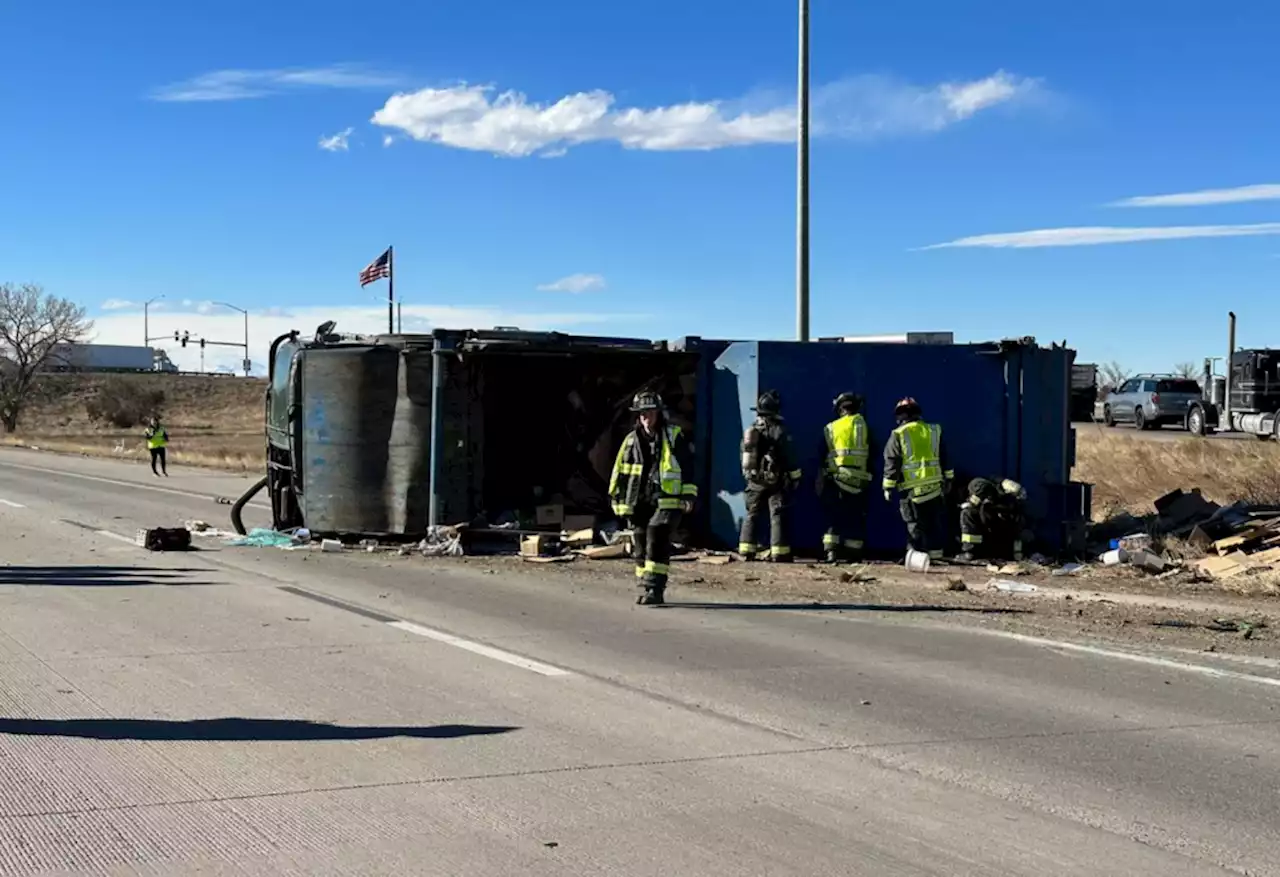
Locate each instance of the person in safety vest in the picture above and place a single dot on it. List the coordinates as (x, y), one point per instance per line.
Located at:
(157, 440)
(915, 464)
(769, 467)
(649, 490)
(844, 479)
(993, 520)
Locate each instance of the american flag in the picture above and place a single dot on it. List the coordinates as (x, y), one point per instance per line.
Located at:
(377, 269)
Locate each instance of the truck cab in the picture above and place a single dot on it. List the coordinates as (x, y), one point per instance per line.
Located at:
(1246, 399)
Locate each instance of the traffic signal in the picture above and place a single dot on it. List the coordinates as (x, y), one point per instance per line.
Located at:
(202, 344)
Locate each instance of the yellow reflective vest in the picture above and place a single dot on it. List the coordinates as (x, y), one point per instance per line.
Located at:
(626, 485)
(915, 461)
(847, 449)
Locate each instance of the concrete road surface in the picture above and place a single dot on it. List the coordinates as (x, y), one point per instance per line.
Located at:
(257, 711)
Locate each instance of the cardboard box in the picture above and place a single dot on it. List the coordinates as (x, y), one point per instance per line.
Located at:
(550, 515)
(536, 546)
(574, 523)
(579, 539)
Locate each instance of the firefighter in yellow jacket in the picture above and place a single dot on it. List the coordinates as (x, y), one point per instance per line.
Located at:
(845, 479)
(916, 465)
(649, 490)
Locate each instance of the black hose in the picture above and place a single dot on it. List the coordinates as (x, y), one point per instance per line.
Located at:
(238, 506)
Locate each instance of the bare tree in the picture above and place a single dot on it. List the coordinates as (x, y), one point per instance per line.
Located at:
(1113, 375)
(32, 326)
(1186, 370)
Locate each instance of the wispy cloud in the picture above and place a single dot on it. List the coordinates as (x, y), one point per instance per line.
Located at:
(338, 142)
(507, 123)
(119, 304)
(1094, 235)
(226, 85)
(575, 283)
(1260, 192)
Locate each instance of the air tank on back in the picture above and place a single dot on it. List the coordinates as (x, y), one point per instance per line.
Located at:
(366, 415)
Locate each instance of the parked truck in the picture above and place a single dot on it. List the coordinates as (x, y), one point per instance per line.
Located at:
(1246, 399)
(75, 357)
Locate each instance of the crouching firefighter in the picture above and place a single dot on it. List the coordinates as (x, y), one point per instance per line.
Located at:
(770, 470)
(915, 464)
(649, 491)
(843, 482)
(993, 520)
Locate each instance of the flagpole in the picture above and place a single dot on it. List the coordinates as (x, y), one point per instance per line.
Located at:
(391, 290)
(399, 319)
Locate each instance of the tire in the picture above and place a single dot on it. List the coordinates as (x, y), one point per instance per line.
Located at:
(1106, 416)
(1263, 437)
(1140, 419)
(1195, 421)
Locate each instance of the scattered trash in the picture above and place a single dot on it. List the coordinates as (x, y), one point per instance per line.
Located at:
(604, 552)
(1133, 542)
(858, 576)
(866, 703)
(260, 537)
(441, 542)
(1146, 560)
(331, 546)
(1067, 569)
(917, 561)
(715, 558)
(197, 526)
(538, 545)
(957, 585)
(554, 558)
(222, 500)
(369, 545)
(302, 535)
(1011, 587)
(578, 538)
(1040, 559)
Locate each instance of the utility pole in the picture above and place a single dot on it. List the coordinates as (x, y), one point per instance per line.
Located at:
(802, 180)
(246, 362)
(146, 323)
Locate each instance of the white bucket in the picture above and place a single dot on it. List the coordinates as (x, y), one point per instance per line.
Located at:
(917, 561)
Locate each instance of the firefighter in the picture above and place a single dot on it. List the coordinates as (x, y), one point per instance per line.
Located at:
(916, 465)
(769, 467)
(842, 484)
(649, 491)
(993, 520)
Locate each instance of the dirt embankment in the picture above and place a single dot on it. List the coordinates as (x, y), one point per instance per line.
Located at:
(212, 421)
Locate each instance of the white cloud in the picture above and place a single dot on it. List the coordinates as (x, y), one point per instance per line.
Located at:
(224, 85)
(1261, 192)
(387, 140)
(575, 283)
(119, 304)
(221, 324)
(509, 124)
(338, 142)
(1093, 235)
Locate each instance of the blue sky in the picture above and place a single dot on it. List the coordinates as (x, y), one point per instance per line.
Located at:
(629, 168)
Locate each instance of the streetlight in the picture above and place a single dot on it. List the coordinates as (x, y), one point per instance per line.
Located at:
(246, 332)
(802, 180)
(146, 325)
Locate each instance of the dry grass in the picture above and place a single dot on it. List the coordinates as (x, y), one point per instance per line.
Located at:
(213, 422)
(1129, 472)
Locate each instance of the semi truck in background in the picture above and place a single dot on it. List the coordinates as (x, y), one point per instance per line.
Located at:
(1246, 399)
(74, 357)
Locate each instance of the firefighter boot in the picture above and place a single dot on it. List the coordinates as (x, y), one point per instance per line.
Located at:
(652, 596)
(833, 555)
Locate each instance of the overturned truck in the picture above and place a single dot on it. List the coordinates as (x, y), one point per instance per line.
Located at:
(384, 436)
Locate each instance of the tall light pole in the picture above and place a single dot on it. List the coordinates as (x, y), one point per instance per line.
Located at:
(802, 181)
(146, 322)
(246, 332)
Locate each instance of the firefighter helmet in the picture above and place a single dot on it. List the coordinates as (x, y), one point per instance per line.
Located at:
(769, 402)
(647, 401)
(907, 407)
(845, 400)
(982, 489)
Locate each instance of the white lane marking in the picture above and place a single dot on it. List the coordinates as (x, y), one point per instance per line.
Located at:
(117, 482)
(1152, 660)
(117, 537)
(11, 504)
(479, 649)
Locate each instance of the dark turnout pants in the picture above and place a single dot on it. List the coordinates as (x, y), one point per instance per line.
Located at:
(772, 499)
(992, 533)
(157, 455)
(846, 513)
(926, 524)
(651, 530)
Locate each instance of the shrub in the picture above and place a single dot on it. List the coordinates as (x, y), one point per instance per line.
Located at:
(123, 404)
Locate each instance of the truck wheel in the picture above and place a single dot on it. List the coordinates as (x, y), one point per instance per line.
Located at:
(1195, 422)
(1106, 416)
(1140, 419)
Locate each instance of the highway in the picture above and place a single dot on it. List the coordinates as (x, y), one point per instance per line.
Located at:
(238, 711)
